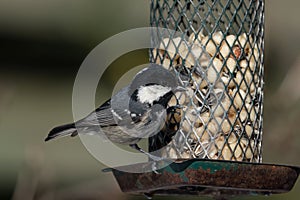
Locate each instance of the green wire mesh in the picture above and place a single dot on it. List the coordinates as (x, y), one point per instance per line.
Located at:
(217, 52)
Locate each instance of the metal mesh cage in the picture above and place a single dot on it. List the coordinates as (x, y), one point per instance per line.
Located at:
(217, 53)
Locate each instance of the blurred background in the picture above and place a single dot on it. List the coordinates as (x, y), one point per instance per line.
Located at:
(43, 43)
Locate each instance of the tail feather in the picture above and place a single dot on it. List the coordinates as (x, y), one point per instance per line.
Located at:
(61, 131)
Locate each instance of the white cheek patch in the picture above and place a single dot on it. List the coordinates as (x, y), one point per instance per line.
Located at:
(149, 94)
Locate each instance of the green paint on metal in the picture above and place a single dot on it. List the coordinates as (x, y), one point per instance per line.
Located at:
(210, 166)
(168, 169)
(213, 167)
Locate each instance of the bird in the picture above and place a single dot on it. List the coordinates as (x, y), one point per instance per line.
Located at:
(137, 111)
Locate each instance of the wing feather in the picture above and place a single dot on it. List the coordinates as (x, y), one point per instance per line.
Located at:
(104, 116)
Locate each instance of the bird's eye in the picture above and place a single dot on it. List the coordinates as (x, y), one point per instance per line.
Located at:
(134, 117)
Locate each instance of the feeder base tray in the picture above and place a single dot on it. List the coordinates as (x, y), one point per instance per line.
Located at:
(218, 179)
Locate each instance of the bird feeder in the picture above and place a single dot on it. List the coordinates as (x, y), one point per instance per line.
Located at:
(218, 56)
(216, 49)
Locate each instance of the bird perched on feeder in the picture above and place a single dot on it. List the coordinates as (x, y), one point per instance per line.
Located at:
(137, 111)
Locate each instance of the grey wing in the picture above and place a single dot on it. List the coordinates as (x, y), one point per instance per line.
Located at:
(110, 113)
(103, 116)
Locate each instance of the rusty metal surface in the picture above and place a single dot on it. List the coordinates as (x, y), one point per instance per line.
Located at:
(209, 178)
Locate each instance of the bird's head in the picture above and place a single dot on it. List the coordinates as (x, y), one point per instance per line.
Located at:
(154, 85)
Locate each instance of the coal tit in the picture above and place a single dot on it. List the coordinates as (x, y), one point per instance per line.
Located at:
(135, 112)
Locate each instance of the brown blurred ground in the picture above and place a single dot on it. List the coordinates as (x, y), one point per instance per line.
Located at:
(42, 44)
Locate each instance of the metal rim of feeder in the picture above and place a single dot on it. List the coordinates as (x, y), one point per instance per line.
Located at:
(202, 177)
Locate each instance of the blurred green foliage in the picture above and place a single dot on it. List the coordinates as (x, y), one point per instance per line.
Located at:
(42, 44)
